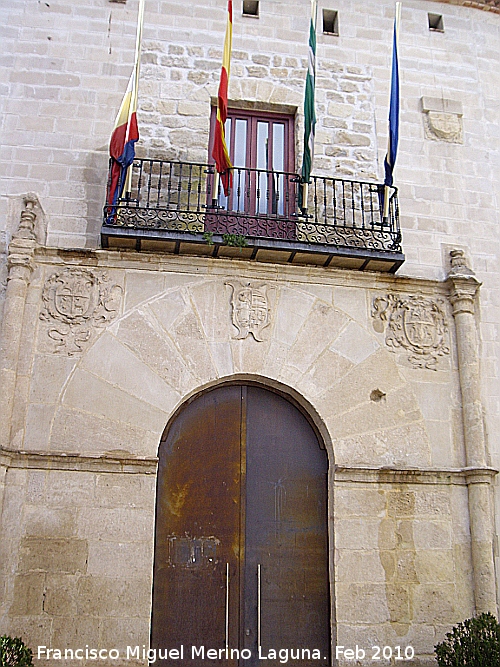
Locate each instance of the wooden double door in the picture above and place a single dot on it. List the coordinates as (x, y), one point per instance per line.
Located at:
(241, 552)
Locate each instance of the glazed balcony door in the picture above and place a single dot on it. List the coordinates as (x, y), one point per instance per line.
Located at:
(261, 150)
(241, 554)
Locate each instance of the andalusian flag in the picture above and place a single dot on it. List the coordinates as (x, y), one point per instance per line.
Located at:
(309, 113)
(126, 133)
(220, 153)
(392, 147)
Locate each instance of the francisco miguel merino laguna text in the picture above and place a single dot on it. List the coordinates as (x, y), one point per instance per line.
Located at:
(196, 652)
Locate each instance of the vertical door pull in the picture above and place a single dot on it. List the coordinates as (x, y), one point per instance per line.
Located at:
(258, 604)
(227, 605)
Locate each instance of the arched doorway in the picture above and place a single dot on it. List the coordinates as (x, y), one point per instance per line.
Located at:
(241, 550)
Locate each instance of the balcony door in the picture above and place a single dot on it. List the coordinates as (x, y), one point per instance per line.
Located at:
(261, 149)
(241, 552)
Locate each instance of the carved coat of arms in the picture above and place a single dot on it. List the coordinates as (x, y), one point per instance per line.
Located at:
(414, 323)
(251, 312)
(75, 300)
(443, 126)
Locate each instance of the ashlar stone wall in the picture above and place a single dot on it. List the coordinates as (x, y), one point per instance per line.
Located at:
(179, 84)
(79, 500)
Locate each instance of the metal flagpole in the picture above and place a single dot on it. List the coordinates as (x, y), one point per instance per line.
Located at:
(135, 89)
(309, 111)
(392, 145)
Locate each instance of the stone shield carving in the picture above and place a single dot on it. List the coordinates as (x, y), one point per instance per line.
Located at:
(250, 309)
(75, 301)
(443, 127)
(413, 323)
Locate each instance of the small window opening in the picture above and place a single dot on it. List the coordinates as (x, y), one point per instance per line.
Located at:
(330, 22)
(251, 8)
(436, 22)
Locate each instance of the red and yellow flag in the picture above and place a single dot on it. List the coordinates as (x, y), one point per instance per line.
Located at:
(220, 153)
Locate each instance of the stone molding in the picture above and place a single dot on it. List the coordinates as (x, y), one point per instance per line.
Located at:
(57, 258)
(486, 5)
(75, 302)
(414, 323)
(447, 476)
(77, 463)
(148, 465)
(59, 461)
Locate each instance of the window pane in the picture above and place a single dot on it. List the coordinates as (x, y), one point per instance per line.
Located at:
(262, 144)
(227, 132)
(240, 143)
(278, 147)
(240, 157)
(278, 165)
(262, 163)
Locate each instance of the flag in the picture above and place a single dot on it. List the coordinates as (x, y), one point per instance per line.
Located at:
(126, 132)
(392, 147)
(309, 112)
(220, 153)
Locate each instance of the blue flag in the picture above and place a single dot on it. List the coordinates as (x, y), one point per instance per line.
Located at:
(392, 148)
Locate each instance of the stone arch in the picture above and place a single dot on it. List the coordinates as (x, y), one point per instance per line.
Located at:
(289, 393)
(166, 348)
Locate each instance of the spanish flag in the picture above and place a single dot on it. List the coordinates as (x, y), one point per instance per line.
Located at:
(126, 132)
(220, 153)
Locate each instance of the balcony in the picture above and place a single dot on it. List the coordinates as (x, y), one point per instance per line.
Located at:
(180, 208)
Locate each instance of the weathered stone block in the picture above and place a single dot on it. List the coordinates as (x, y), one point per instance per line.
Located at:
(28, 595)
(47, 522)
(60, 595)
(68, 555)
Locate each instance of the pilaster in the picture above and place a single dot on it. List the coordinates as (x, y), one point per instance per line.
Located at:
(464, 287)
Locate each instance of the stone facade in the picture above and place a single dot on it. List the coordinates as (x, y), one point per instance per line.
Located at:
(101, 348)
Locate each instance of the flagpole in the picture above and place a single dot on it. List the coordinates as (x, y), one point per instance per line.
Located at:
(133, 101)
(309, 111)
(220, 152)
(393, 114)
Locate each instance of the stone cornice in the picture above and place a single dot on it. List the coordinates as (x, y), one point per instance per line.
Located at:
(486, 5)
(443, 476)
(203, 268)
(77, 462)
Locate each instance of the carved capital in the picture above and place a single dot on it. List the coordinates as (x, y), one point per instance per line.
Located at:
(76, 301)
(415, 324)
(20, 258)
(250, 309)
(463, 284)
(484, 475)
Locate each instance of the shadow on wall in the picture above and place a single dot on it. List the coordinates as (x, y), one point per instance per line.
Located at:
(95, 177)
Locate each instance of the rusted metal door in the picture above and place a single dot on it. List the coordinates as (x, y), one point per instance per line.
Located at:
(198, 526)
(241, 555)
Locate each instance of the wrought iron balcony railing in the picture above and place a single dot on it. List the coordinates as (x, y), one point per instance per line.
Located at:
(183, 207)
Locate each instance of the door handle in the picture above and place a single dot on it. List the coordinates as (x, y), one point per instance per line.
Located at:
(259, 603)
(227, 605)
